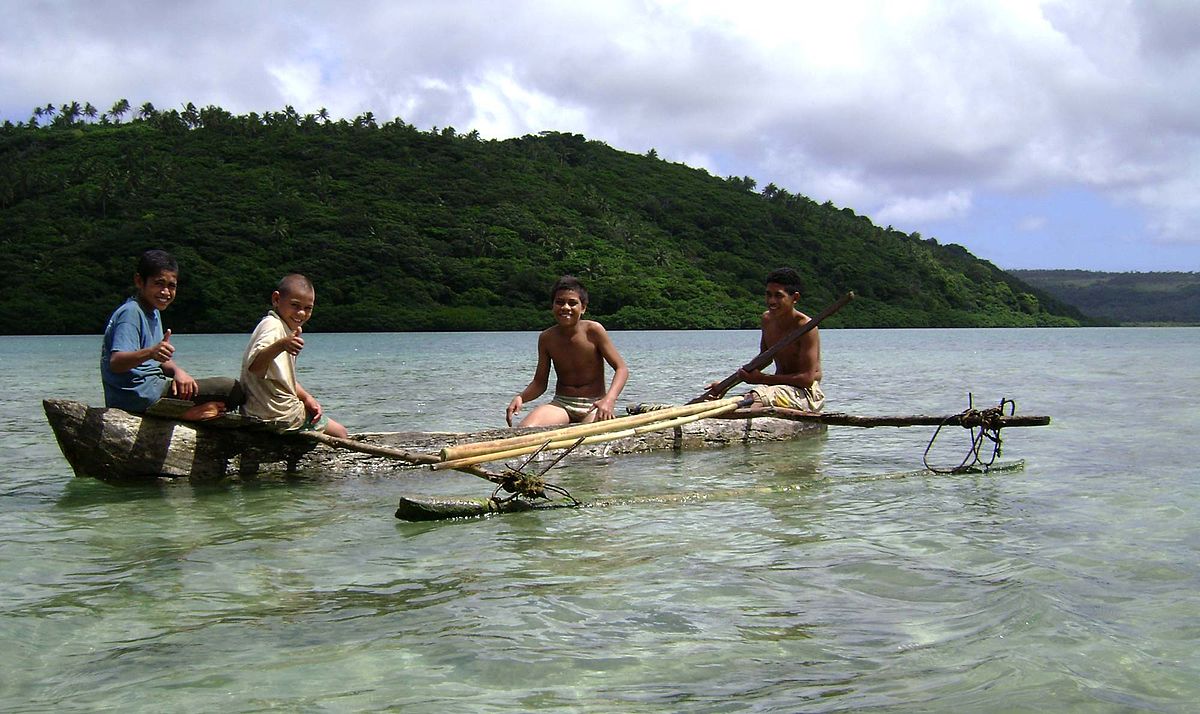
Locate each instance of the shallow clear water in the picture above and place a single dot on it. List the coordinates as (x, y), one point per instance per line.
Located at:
(849, 585)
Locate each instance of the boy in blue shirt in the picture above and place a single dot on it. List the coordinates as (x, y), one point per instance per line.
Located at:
(137, 363)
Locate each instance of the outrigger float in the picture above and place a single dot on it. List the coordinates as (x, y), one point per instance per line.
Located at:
(120, 447)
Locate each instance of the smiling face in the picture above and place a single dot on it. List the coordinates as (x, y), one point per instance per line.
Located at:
(567, 307)
(294, 307)
(779, 300)
(157, 291)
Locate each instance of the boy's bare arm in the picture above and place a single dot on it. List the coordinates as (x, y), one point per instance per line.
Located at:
(161, 351)
(798, 369)
(537, 387)
(311, 405)
(607, 350)
(292, 344)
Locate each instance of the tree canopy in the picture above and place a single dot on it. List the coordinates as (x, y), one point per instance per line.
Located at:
(1162, 298)
(404, 229)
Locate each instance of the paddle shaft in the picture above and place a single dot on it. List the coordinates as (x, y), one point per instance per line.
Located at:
(764, 358)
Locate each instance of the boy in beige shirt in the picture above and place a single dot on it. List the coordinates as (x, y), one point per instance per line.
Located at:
(269, 363)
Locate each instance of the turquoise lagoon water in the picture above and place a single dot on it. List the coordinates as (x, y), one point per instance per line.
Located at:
(1068, 586)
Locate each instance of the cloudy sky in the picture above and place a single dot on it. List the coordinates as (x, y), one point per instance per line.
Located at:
(1057, 134)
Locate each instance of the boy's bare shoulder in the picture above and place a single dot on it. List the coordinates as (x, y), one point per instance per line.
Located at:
(595, 331)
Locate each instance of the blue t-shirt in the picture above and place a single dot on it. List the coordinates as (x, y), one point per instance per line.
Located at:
(130, 329)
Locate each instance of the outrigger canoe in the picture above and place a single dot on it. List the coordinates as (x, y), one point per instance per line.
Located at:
(118, 446)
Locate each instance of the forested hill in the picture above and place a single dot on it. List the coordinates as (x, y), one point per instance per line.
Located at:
(403, 229)
(1124, 298)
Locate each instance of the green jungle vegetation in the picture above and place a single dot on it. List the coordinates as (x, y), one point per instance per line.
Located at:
(403, 229)
(1124, 298)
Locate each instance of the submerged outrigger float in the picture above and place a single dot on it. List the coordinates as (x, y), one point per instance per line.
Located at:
(120, 447)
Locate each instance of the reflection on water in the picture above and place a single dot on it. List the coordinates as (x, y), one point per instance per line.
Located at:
(824, 574)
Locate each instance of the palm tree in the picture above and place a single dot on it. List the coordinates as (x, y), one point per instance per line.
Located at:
(147, 111)
(366, 119)
(323, 115)
(90, 111)
(70, 112)
(191, 115)
(119, 109)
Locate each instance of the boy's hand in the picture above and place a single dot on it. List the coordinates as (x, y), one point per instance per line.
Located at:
(162, 351)
(293, 343)
(604, 409)
(754, 377)
(311, 406)
(513, 407)
(183, 386)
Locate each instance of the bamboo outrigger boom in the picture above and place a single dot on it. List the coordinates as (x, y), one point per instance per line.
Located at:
(564, 438)
(570, 433)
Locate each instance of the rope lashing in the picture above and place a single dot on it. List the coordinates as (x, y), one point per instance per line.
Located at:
(519, 484)
(984, 425)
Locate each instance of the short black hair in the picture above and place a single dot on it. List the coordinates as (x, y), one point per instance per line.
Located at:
(153, 262)
(569, 282)
(788, 278)
(294, 282)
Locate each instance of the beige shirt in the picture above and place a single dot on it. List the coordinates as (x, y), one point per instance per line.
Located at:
(272, 397)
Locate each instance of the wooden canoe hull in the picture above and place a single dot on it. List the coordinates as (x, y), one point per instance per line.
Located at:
(115, 445)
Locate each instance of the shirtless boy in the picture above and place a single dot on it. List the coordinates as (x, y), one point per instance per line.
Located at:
(578, 349)
(796, 383)
(269, 363)
(137, 359)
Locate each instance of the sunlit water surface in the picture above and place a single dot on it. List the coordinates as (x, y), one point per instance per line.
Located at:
(847, 584)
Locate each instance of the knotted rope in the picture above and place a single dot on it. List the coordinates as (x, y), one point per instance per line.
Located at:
(520, 484)
(984, 424)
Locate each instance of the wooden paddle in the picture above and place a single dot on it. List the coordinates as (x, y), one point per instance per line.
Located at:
(764, 358)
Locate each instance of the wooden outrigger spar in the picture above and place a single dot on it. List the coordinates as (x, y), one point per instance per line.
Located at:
(965, 419)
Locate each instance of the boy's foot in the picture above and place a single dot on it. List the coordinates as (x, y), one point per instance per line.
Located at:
(204, 412)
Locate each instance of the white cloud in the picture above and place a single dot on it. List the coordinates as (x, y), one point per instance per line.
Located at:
(917, 210)
(1031, 224)
(503, 108)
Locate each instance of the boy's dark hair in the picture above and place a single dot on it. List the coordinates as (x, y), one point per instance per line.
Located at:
(154, 262)
(294, 282)
(788, 278)
(569, 282)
